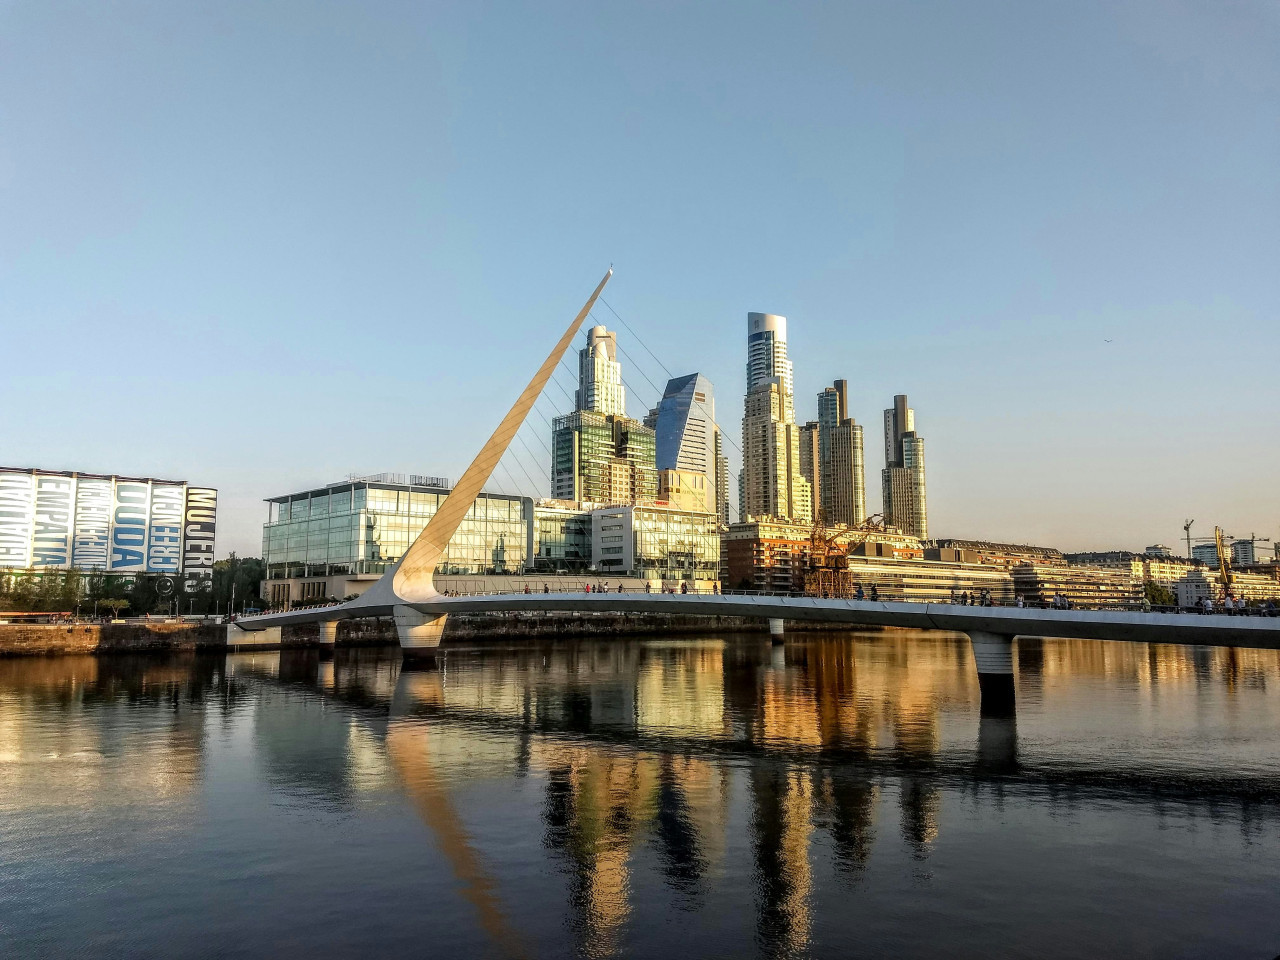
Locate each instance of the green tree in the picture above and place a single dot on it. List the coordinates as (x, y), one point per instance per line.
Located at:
(245, 574)
(1158, 595)
(114, 604)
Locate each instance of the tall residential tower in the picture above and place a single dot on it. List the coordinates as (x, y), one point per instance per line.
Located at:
(842, 483)
(902, 482)
(772, 483)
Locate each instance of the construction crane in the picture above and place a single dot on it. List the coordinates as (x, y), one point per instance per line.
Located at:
(1186, 529)
(828, 573)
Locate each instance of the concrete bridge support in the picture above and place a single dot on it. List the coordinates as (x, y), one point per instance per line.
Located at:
(328, 634)
(993, 654)
(776, 630)
(419, 633)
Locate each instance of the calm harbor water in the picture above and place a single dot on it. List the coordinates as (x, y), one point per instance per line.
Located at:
(841, 796)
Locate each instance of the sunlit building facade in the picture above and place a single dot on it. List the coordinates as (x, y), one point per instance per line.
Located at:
(656, 543)
(903, 478)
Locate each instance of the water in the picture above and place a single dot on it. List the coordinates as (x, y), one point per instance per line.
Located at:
(661, 797)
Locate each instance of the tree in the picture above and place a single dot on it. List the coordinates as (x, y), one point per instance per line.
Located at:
(245, 574)
(1158, 595)
(114, 604)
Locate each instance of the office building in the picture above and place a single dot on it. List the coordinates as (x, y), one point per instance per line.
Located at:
(561, 537)
(335, 540)
(685, 490)
(598, 453)
(688, 439)
(57, 520)
(657, 543)
(1085, 587)
(1206, 553)
(903, 478)
(1243, 554)
(772, 483)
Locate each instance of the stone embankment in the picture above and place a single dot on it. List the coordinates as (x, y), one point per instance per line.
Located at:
(48, 639)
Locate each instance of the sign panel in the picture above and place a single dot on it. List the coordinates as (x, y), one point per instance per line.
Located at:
(54, 521)
(129, 515)
(93, 523)
(17, 516)
(164, 537)
(198, 530)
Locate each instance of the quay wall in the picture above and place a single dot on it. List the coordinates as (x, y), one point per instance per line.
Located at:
(51, 639)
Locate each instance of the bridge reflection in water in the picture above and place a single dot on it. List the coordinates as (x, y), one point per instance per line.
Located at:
(668, 765)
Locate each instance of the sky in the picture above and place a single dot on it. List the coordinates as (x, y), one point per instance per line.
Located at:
(263, 247)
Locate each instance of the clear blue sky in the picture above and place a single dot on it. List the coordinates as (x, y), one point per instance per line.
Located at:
(262, 246)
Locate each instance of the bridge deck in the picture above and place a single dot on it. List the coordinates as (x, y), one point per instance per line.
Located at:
(1132, 626)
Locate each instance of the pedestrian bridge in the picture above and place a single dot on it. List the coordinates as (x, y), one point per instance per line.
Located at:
(407, 594)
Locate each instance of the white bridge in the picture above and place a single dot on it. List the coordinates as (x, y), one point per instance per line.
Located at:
(407, 593)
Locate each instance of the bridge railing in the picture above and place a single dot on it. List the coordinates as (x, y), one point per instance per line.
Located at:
(597, 587)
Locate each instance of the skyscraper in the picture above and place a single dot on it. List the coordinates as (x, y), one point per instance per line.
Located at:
(767, 355)
(600, 386)
(811, 462)
(772, 482)
(842, 476)
(902, 482)
(599, 454)
(688, 438)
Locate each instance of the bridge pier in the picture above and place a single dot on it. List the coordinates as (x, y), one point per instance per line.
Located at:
(328, 634)
(776, 627)
(993, 655)
(419, 633)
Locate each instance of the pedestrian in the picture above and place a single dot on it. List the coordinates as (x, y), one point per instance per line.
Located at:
(648, 587)
(858, 594)
(619, 587)
(875, 594)
(953, 595)
(715, 587)
(545, 588)
(684, 586)
(1019, 601)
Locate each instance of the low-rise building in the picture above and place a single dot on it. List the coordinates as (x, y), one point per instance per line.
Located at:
(655, 542)
(990, 552)
(1083, 586)
(930, 581)
(1205, 584)
(561, 537)
(765, 554)
(335, 541)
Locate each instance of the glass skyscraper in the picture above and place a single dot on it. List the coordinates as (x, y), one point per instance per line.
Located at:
(687, 436)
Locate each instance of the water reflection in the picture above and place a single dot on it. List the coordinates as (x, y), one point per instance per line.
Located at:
(708, 775)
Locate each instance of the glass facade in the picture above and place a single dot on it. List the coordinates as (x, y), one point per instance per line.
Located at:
(364, 527)
(657, 543)
(563, 537)
(603, 459)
